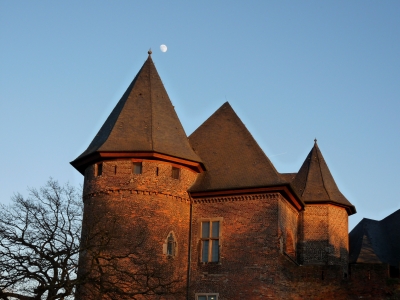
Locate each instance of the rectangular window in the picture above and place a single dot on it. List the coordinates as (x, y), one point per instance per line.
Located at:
(99, 169)
(207, 296)
(137, 168)
(210, 240)
(175, 172)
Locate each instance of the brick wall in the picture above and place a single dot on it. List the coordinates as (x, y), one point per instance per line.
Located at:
(252, 230)
(134, 214)
(338, 237)
(288, 228)
(324, 235)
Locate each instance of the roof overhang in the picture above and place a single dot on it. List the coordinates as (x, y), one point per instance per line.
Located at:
(82, 163)
(284, 190)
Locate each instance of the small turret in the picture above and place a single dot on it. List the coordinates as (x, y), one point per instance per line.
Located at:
(324, 221)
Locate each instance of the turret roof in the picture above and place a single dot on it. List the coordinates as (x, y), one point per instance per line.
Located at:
(144, 120)
(232, 157)
(315, 184)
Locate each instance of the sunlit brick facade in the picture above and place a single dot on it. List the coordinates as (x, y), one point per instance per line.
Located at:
(208, 216)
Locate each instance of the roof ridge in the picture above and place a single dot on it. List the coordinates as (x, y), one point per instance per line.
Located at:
(151, 105)
(320, 170)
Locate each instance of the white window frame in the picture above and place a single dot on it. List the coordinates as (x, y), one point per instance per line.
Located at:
(207, 294)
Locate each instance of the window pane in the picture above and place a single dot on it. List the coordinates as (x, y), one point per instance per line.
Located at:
(205, 230)
(215, 250)
(204, 257)
(137, 168)
(212, 297)
(99, 169)
(201, 297)
(215, 229)
(170, 248)
(175, 172)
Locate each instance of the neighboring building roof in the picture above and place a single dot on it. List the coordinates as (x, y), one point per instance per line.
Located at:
(232, 157)
(144, 120)
(376, 241)
(315, 184)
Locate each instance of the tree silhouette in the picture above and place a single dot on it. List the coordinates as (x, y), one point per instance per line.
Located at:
(42, 256)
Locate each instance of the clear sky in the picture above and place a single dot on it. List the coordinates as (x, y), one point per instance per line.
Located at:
(292, 70)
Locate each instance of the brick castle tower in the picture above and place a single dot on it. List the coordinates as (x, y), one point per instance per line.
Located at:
(206, 217)
(137, 172)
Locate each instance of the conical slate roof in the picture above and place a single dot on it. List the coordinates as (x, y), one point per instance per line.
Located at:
(315, 184)
(376, 241)
(144, 120)
(232, 157)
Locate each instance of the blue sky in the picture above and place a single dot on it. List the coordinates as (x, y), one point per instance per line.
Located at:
(292, 70)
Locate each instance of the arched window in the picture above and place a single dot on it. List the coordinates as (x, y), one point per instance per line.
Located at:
(170, 245)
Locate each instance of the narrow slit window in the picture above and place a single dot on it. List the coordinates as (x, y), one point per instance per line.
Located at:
(115, 170)
(170, 245)
(157, 170)
(210, 241)
(99, 169)
(137, 168)
(176, 172)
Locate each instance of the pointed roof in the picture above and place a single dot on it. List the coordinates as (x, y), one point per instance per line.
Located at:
(374, 241)
(144, 121)
(315, 184)
(232, 157)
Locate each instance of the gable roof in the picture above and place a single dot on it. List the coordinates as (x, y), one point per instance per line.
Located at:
(232, 157)
(315, 184)
(144, 120)
(374, 241)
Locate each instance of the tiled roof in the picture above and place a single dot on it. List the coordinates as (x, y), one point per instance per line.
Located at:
(376, 241)
(232, 157)
(144, 120)
(315, 184)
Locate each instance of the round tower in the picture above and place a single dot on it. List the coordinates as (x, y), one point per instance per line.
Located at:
(137, 172)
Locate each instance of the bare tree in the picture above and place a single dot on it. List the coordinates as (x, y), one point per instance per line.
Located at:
(42, 256)
(39, 243)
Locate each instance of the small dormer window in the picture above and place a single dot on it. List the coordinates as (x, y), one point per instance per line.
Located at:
(137, 168)
(98, 169)
(176, 172)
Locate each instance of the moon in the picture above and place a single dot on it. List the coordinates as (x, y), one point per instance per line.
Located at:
(163, 48)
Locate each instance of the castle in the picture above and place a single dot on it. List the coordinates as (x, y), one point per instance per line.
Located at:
(208, 216)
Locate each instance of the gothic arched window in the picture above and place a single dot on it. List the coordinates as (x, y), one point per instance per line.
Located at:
(170, 245)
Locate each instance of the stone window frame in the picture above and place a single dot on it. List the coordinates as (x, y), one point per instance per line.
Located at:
(210, 238)
(207, 295)
(174, 245)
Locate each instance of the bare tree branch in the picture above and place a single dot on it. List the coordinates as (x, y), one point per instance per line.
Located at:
(43, 256)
